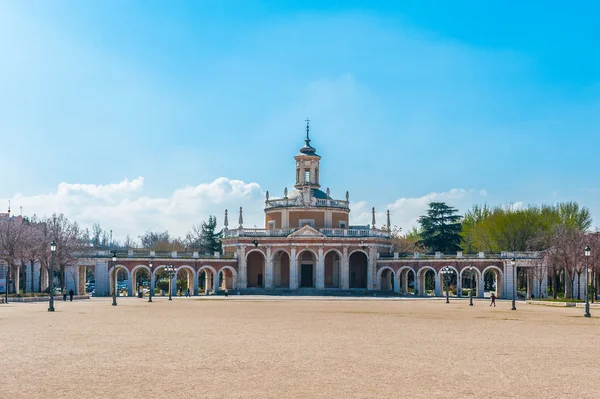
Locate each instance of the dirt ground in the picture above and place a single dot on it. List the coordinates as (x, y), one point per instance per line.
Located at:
(297, 348)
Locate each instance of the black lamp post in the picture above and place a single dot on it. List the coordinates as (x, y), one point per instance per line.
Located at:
(52, 250)
(446, 273)
(513, 263)
(587, 252)
(470, 268)
(150, 265)
(114, 261)
(171, 273)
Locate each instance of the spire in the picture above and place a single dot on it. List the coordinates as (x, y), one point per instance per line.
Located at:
(308, 149)
(226, 221)
(389, 224)
(373, 219)
(241, 221)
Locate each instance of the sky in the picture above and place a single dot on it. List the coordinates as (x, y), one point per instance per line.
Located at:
(153, 115)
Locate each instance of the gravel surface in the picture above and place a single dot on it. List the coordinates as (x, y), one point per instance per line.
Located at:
(245, 347)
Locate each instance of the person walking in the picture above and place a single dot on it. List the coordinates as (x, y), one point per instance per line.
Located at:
(64, 292)
(71, 293)
(493, 300)
(188, 294)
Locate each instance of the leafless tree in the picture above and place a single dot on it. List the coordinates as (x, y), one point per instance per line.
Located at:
(12, 235)
(565, 252)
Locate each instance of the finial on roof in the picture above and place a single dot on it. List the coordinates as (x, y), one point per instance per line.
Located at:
(285, 192)
(226, 221)
(241, 221)
(307, 130)
(347, 196)
(327, 192)
(267, 196)
(389, 224)
(373, 219)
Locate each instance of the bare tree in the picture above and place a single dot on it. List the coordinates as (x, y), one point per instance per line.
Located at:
(12, 230)
(566, 252)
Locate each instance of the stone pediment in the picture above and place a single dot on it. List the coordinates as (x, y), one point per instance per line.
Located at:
(307, 232)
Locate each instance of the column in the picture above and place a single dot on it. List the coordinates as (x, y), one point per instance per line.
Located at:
(417, 284)
(336, 273)
(397, 282)
(242, 274)
(405, 281)
(152, 282)
(195, 285)
(481, 285)
(345, 283)
(269, 269)
(458, 285)
(130, 288)
(371, 269)
(438, 284)
(102, 279)
(320, 283)
(173, 285)
(216, 282)
(82, 280)
(529, 278)
(16, 279)
(293, 269)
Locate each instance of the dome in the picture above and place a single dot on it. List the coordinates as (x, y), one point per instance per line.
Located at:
(315, 193)
(308, 150)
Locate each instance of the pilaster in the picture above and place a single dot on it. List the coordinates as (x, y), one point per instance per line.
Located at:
(345, 272)
(268, 269)
(293, 269)
(320, 283)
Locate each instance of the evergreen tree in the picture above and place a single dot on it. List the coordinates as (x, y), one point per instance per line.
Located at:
(441, 228)
(211, 241)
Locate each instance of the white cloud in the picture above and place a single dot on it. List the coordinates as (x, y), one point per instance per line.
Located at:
(404, 212)
(123, 208)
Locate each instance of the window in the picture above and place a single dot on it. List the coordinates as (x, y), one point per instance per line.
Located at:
(342, 224)
(307, 176)
(304, 222)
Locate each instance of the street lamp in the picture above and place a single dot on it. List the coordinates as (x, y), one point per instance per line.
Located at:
(446, 273)
(52, 250)
(470, 268)
(513, 263)
(150, 265)
(587, 252)
(114, 261)
(170, 273)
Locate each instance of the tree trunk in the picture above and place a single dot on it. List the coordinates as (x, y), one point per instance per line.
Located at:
(578, 286)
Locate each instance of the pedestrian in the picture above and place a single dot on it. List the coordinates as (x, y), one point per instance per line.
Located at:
(188, 294)
(71, 293)
(226, 292)
(64, 292)
(493, 300)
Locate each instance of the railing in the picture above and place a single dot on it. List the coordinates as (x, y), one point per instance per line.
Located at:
(329, 232)
(480, 255)
(320, 203)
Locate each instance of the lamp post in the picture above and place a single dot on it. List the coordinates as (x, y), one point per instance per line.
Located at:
(513, 263)
(150, 265)
(52, 250)
(445, 272)
(587, 252)
(114, 261)
(470, 268)
(171, 273)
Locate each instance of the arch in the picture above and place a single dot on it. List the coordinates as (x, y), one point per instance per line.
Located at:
(111, 273)
(383, 278)
(255, 269)
(498, 281)
(207, 274)
(358, 269)
(280, 259)
(452, 281)
(227, 282)
(255, 250)
(134, 278)
(422, 281)
(359, 250)
(306, 250)
(474, 281)
(189, 283)
(402, 277)
(332, 267)
(307, 268)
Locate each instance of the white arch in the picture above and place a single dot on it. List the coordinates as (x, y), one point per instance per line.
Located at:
(399, 273)
(157, 268)
(380, 274)
(139, 267)
(233, 274)
(275, 252)
(116, 267)
(492, 267)
(187, 267)
(466, 268)
(404, 268)
(425, 269)
(337, 251)
(359, 250)
(208, 267)
(260, 251)
(305, 250)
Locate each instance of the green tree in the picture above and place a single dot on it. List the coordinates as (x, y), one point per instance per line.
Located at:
(441, 228)
(211, 240)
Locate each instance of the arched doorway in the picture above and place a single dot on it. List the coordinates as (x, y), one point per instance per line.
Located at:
(255, 269)
(306, 268)
(427, 282)
(205, 279)
(449, 281)
(406, 281)
(140, 276)
(332, 269)
(358, 270)
(281, 269)
(493, 281)
(226, 278)
(122, 279)
(184, 281)
(469, 281)
(386, 279)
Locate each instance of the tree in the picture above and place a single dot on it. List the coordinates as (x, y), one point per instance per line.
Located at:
(161, 242)
(441, 228)
(211, 241)
(406, 243)
(12, 240)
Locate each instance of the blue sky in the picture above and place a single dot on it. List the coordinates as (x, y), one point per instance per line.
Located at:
(466, 102)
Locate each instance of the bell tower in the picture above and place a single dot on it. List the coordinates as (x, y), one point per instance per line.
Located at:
(307, 164)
